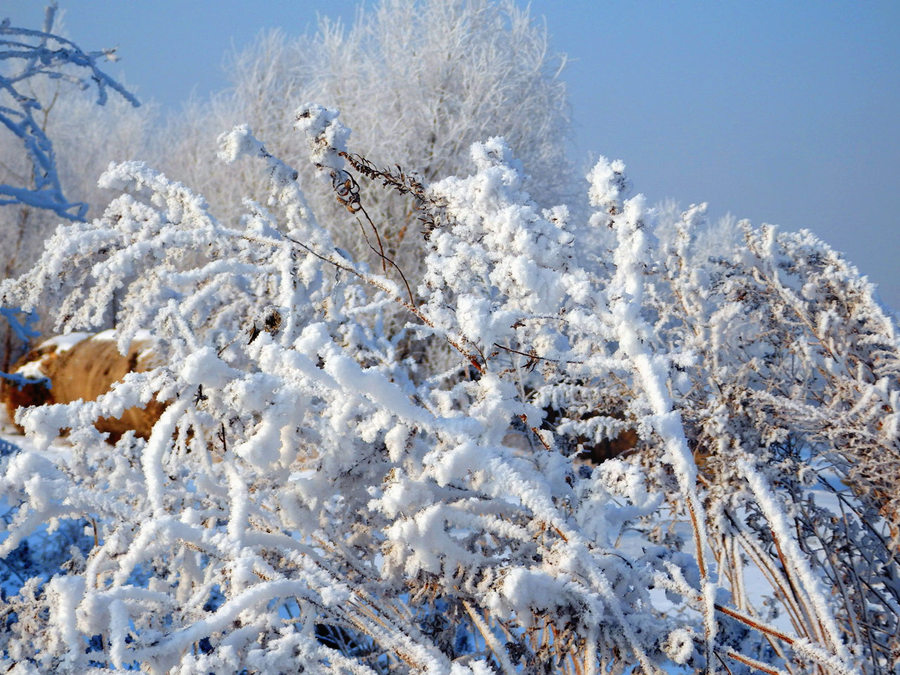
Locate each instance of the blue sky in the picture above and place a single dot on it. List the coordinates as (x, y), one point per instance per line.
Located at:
(780, 112)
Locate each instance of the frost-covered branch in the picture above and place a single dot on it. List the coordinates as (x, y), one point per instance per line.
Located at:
(316, 494)
(27, 54)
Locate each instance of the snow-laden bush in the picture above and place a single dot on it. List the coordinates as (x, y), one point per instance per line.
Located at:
(315, 497)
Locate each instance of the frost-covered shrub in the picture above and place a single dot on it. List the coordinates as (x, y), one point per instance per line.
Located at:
(316, 498)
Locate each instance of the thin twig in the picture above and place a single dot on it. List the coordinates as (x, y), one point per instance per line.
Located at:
(384, 258)
(471, 358)
(753, 663)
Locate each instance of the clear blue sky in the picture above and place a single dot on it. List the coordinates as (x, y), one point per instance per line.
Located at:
(780, 112)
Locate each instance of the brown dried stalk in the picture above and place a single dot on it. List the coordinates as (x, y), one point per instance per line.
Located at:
(753, 663)
(346, 190)
(404, 183)
(401, 182)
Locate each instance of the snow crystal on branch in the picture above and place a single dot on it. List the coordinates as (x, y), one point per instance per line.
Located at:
(547, 454)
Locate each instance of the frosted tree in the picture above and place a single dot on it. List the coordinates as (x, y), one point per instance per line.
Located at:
(315, 498)
(419, 81)
(51, 89)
